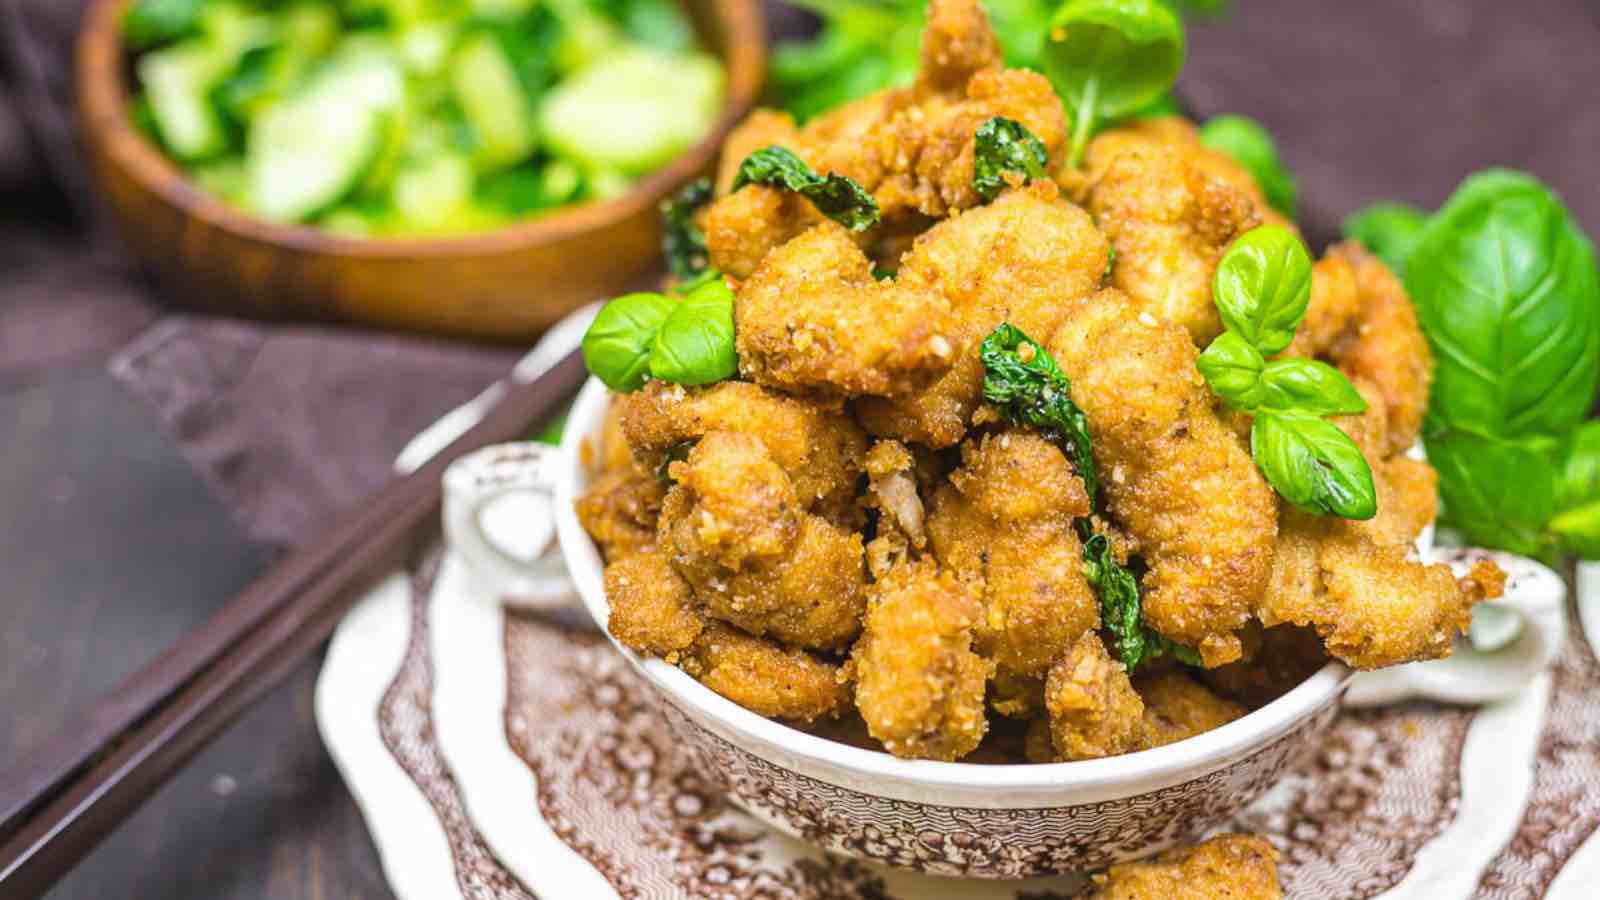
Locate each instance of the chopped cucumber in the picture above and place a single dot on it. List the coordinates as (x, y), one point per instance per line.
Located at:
(490, 96)
(431, 195)
(634, 110)
(314, 148)
(178, 82)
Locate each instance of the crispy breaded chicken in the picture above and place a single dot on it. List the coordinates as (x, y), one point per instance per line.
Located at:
(812, 319)
(892, 491)
(1171, 211)
(1356, 582)
(1275, 660)
(1176, 479)
(919, 683)
(911, 148)
(620, 509)
(1227, 867)
(1093, 708)
(817, 445)
(1021, 259)
(765, 678)
(652, 609)
(1176, 707)
(733, 529)
(1003, 524)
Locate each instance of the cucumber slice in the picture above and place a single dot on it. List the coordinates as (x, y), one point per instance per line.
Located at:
(634, 110)
(312, 149)
(430, 195)
(490, 96)
(178, 82)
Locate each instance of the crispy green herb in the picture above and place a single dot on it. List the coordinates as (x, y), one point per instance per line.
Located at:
(1024, 383)
(1109, 58)
(1004, 145)
(1389, 230)
(835, 196)
(618, 344)
(682, 242)
(1247, 143)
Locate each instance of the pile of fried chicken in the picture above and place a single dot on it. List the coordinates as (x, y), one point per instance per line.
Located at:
(847, 529)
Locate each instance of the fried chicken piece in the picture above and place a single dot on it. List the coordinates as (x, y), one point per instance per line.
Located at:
(911, 148)
(620, 510)
(1355, 581)
(1361, 320)
(614, 452)
(1276, 660)
(818, 446)
(1021, 259)
(1003, 524)
(919, 684)
(1093, 708)
(1176, 479)
(765, 678)
(892, 491)
(1177, 707)
(733, 529)
(1227, 867)
(652, 609)
(812, 319)
(1170, 214)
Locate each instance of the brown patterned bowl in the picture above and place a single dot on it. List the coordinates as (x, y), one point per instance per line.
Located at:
(508, 284)
(990, 821)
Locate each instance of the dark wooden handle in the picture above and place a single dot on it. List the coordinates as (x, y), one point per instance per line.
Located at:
(130, 742)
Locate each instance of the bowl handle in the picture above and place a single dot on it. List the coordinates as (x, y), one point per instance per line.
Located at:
(499, 515)
(1511, 641)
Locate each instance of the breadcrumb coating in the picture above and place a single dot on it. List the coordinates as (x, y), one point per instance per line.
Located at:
(1093, 708)
(919, 683)
(1227, 867)
(620, 511)
(652, 609)
(765, 678)
(1177, 707)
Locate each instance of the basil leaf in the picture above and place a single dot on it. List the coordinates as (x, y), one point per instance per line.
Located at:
(835, 196)
(1497, 492)
(1389, 230)
(1108, 58)
(1022, 381)
(1248, 144)
(1507, 292)
(1233, 369)
(682, 242)
(1309, 386)
(1262, 287)
(1314, 465)
(618, 344)
(1578, 480)
(1004, 145)
(695, 343)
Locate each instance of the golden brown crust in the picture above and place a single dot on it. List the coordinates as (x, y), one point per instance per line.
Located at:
(1094, 711)
(620, 509)
(919, 684)
(812, 319)
(765, 678)
(1176, 707)
(1176, 479)
(652, 610)
(1003, 524)
(1227, 867)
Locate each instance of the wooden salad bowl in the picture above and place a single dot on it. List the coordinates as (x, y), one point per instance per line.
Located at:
(506, 285)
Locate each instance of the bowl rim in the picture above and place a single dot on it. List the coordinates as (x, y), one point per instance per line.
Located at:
(103, 98)
(798, 750)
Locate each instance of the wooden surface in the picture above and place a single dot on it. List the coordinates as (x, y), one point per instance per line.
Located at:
(112, 549)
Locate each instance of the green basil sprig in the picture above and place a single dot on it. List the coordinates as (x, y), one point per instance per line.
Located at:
(1024, 384)
(682, 242)
(688, 341)
(1109, 58)
(835, 196)
(1244, 140)
(1262, 288)
(1004, 145)
(1508, 294)
(1389, 230)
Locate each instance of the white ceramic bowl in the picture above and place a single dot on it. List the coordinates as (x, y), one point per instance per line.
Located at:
(997, 821)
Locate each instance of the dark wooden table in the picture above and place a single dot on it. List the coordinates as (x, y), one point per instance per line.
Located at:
(110, 549)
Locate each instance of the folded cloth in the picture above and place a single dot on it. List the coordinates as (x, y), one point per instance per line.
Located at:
(1369, 100)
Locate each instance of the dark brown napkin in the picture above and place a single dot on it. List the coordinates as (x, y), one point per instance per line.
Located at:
(1369, 99)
